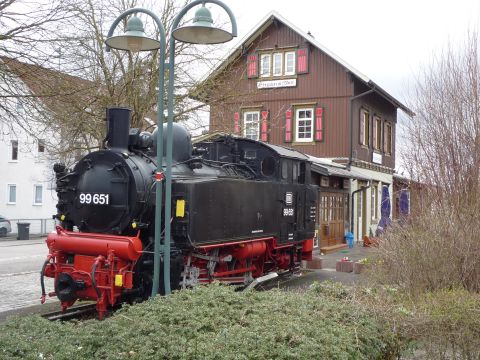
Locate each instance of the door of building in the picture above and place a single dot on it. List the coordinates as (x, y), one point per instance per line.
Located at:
(333, 216)
(361, 215)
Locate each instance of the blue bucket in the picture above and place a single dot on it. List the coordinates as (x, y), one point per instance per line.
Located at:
(349, 239)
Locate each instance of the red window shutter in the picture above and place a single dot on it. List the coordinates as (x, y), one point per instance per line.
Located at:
(302, 61)
(236, 122)
(252, 66)
(264, 126)
(288, 126)
(319, 124)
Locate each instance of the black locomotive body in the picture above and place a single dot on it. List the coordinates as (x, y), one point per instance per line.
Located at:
(241, 209)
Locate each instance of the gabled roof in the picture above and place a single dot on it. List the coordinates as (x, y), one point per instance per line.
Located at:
(54, 88)
(268, 20)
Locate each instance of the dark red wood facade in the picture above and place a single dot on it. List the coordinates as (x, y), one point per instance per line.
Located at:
(338, 96)
(327, 85)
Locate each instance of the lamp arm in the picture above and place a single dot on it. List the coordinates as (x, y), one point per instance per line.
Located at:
(157, 20)
(198, 2)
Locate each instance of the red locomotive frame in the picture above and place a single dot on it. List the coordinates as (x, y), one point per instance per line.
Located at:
(100, 267)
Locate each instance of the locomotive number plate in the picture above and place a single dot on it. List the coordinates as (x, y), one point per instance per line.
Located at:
(287, 211)
(95, 199)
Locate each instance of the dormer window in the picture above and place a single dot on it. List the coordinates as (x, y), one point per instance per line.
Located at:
(290, 63)
(278, 63)
(265, 65)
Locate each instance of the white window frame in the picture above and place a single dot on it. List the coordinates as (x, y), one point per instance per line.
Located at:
(277, 71)
(8, 194)
(20, 107)
(297, 126)
(42, 143)
(250, 123)
(263, 59)
(10, 150)
(39, 155)
(292, 70)
(35, 194)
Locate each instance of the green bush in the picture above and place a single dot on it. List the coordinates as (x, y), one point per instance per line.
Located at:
(213, 322)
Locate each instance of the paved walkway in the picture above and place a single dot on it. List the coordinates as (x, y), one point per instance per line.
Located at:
(328, 272)
(20, 264)
(13, 239)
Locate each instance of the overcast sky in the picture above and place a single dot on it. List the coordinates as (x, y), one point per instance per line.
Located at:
(385, 40)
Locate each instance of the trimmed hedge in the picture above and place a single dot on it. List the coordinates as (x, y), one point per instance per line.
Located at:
(213, 322)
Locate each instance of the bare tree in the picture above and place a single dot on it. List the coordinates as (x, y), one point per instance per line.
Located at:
(445, 134)
(74, 105)
(440, 248)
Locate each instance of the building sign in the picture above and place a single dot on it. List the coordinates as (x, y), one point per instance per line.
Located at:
(377, 158)
(288, 198)
(270, 84)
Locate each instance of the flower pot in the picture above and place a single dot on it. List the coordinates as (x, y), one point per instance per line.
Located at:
(358, 267)
(344, 266)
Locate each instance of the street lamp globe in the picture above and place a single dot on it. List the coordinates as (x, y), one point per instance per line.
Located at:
(134, 38)
(202, 31)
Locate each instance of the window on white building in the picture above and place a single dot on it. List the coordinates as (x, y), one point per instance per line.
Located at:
(304, 125)
(20, 106)
(251, 125)
(14, 150)
(11, 194)
(37, 195)
(40, 146)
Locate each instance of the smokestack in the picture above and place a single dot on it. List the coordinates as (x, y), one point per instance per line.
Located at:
(118, 127)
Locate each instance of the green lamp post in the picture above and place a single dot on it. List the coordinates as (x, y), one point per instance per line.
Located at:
(200, 32)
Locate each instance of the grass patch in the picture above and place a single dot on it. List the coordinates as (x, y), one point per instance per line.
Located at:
(213, 322)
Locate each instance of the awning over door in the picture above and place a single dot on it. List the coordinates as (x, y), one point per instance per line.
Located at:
(333, 170)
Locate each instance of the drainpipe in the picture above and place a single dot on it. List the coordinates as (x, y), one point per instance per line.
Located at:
(350, 159)
(363, 188)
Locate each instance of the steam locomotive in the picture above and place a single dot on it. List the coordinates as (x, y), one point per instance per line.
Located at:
(240, 209)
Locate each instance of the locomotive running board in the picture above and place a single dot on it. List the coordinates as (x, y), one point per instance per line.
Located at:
(261, 279)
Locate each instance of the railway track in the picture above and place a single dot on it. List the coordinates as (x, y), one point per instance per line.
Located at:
(81, 311)
(88, 311)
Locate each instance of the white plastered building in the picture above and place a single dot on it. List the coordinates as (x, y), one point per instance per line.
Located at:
(27, 191)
